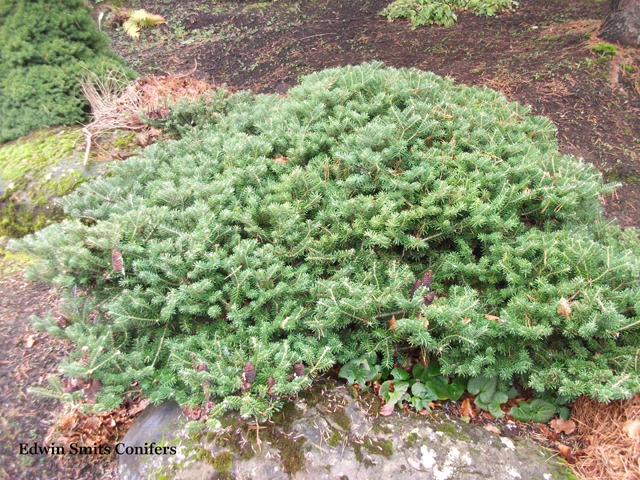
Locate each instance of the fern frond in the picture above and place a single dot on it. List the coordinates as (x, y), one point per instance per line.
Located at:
(139, 19)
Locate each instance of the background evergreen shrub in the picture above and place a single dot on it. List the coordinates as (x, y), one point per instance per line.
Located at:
(45, 46)
(286, 232)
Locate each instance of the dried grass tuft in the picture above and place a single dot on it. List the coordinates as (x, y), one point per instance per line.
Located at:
(116, 102)
(610, 432)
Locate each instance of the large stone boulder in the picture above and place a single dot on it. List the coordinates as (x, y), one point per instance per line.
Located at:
(327, 434)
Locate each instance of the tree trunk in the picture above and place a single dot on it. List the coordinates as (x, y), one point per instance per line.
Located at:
(623, 23)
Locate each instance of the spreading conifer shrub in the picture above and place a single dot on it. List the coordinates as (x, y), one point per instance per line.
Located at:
(45, 46)
(288, 232)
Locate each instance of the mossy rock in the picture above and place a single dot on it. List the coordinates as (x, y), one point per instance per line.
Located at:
(35, 171)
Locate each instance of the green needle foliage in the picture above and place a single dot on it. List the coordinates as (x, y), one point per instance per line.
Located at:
(288, 232)
(45, 46)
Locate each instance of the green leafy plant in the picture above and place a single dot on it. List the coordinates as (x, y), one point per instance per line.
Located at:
(431, 382)
(488, 394)
(283, 235)
(537, 410)
(442, 12)
(396, 391)
(541, 409)
(361, 371)
(44, 48)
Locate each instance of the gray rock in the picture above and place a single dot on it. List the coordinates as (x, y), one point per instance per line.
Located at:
(336, 439)
(160, 424)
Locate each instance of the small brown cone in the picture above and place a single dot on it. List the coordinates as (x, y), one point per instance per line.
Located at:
(270, 383)
(423, 282)
(563, 307)
(429, 297)
(248, 372)
(298, 369)
(116, 261)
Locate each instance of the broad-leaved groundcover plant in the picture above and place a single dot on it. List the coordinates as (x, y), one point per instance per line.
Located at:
(282, 235)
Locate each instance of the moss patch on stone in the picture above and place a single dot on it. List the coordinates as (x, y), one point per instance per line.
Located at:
(314, 395)
(378, 447)
(30, 155)
(292, 453)
(234, 438)
(451, 430)
(411, 438)
(223, 462)
(33, 170)
(341, 418)
(335, 439)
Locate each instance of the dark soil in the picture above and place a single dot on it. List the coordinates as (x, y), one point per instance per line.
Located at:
(540, 55)
(27, 357)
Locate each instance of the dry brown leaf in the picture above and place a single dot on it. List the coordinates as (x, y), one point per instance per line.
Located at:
(281, 160)
(467, 409)
(566, 426)
(392, 323)
(632, 428)
(387, 409)
(67, 422)
(563, 307)
(31, 340)
(466, 320)
(492, 429)
(491, 317)
(566, 453)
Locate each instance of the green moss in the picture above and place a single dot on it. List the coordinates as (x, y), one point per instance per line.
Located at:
(314, 395)
(412, 438)
(378, 447)
(451, 430)
(12, 263)
(17, 220)
(204, 455)
(565, 470)
(335, 439)
(222, 462)
(124, 142)
(342, 419)
(258, 5)
(26, 174)
(292, 454)
(379, 426)
(605, 49)
(286, 416)
(376, 404)
(30, 155)
(355, 393)
(447, 428)
(234, 437)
